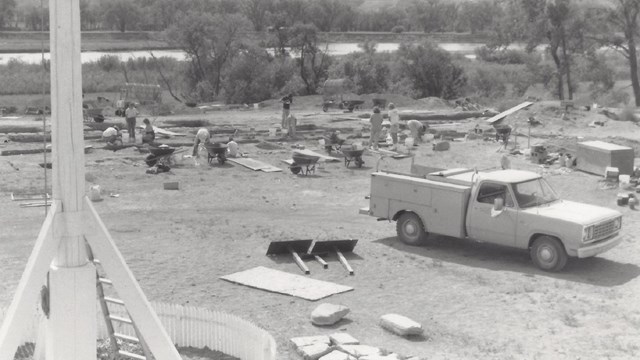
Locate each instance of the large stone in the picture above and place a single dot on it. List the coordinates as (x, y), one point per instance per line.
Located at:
(310, 340)
(337, 355)
(400, 325)
(314, 351)
(328, 314)
(359, 351)
(381, 357)
(343, 339)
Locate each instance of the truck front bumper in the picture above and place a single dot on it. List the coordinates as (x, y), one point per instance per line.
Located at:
(599, 247)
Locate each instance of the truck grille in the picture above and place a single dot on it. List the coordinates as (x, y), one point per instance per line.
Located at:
(604, 229)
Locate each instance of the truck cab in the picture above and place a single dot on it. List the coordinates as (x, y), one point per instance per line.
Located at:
(509, 207)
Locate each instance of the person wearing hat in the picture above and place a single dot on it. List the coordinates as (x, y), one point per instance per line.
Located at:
(112, 135)
(394, 119)
(376, 128)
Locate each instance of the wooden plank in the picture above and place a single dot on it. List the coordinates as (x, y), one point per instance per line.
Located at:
(250, 163)
(145, 318)
(503, 114)
(23, 152)
(284, 283)
(14, 324)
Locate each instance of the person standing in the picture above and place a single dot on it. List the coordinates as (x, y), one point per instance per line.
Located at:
(130, 114)
(376, 127)
(394, 119)
(286, 108)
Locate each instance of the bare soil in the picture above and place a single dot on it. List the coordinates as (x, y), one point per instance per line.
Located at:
(475, 301)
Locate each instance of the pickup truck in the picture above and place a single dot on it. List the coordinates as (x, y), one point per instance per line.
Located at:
(506, 207)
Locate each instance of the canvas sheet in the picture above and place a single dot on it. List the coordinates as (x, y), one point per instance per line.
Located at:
(284, 283)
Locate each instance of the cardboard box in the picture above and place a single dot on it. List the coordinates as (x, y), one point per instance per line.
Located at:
(595, 156)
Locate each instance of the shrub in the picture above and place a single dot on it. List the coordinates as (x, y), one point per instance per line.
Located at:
(501, 56)
(398, 29)
(108, 63)
(628, 114)
(488, 83)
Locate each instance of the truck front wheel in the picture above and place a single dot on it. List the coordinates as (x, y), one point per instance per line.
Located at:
(410, 229)
(548, 254)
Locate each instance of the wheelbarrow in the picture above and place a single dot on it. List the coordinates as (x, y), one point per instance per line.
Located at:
(303, 163)
(218, 151)
(159, 155)
(351, 154)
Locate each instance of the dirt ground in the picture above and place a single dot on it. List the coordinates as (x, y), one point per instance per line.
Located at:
(475, 301)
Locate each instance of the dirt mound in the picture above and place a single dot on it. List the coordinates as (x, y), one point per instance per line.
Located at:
(268, 146)
(434, 103)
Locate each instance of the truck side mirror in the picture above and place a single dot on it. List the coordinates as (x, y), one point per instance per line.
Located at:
(498, 207)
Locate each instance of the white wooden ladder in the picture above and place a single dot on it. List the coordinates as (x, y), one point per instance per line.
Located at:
(110, 319)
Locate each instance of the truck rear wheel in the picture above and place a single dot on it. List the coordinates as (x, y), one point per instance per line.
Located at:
(548, 253)
(410, 229)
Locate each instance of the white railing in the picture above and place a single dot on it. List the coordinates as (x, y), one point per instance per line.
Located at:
(193, 326)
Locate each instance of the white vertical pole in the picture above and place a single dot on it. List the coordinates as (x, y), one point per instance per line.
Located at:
(71, 333)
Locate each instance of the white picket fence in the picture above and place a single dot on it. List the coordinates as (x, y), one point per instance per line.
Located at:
(196, 327)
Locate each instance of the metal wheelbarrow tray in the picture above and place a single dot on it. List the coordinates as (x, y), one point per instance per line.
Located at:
(303, 160)
(160, 154)
(217, 151)
(354, 155)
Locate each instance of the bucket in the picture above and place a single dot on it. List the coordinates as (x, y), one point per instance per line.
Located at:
(273, 132)
(95, 193)
(408, 142)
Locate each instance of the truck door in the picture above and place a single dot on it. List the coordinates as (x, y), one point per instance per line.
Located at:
(497, 230)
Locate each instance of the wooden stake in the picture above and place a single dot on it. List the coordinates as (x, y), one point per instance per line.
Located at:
(299, 261)
(321, 261)
(343, 261)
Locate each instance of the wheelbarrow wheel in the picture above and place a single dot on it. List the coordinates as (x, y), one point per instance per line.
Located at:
(221, 159)
(151, 160)
(295, 169)
(359, 162)
(328, 149)
(325, 107)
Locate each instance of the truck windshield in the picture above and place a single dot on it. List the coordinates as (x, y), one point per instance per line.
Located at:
(533, 193)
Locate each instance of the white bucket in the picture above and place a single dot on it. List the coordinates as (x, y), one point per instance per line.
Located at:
(321, 142)
(273, 132)
(408, 142)
(95, 193)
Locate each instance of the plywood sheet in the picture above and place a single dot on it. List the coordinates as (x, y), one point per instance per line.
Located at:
(284, 283)
(392, 154)
(321, 156)
(503, 114)
(250, 163)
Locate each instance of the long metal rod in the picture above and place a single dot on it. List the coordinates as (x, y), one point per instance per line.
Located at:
(44, 117)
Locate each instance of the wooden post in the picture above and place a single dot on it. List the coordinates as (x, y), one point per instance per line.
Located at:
(72, 326)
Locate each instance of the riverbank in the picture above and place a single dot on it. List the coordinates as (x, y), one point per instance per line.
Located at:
(32, 42)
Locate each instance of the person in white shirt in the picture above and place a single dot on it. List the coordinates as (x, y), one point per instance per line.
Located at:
(111, 135)
(394, 119)
(130, 114)
(232, 148)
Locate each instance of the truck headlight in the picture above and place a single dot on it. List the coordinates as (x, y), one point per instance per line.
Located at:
(617, 223)
(587, 233)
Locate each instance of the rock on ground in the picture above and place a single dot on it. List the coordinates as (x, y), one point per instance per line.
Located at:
(343, 339)
(337, 355)
(328, 314)
(310, 340)
(400, 325)
(359, 351)
(314, 351)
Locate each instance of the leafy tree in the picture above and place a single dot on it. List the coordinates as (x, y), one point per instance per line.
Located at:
(477, 16)
(367, 70)
(7, 12)
(249, 78)
(430, 70)
(257, 12)
(120, 14)
(89, 16)
(34, 18)
(312, 61)
(325, 14)
(290, 11)
(622, 17)
(433, 15)
(210, 43)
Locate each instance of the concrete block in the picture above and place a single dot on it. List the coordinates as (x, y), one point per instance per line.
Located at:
(400, 325)
(328, 314)
(381, 357)
(310, 340)
(337, 355)
(343, 339)
(314, 351)
(441, 146)
(359, 351)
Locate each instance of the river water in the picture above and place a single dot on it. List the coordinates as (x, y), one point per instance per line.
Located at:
(467, 49)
